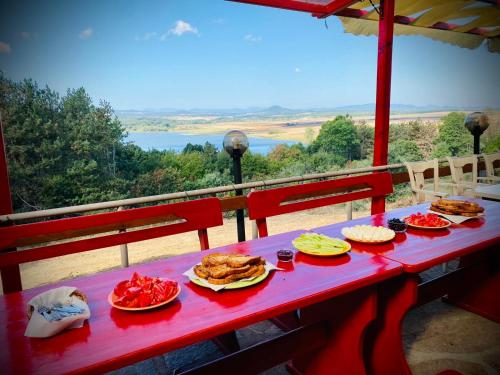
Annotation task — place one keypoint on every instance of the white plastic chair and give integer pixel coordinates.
(417, 180)
(489, 160)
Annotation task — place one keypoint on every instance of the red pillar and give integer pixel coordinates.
(383, 100)
(11, 277)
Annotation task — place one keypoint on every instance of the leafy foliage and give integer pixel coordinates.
(453, 133)
(338, 137)
(66, 150)
(402, 151)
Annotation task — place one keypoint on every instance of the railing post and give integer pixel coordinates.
(348, 210)
(123, 247)
(255, 230)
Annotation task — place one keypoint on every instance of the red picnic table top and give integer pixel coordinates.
(417, 249)
(114, 338)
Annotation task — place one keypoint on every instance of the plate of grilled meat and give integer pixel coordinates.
(457, 207)
(229, 271)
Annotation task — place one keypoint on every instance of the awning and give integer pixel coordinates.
(465, 23)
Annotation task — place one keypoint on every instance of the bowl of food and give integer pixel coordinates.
(397, 225)
(284, 255)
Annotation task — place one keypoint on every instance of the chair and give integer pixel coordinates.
(489, 160)
(461, 185)
(416, 172)
(266, 203)
(183, 217)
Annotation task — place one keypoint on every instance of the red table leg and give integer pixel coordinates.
(347, 318)
(478, 292)
(384, 352)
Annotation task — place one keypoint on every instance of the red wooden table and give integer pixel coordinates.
(114, 338)
(475, 286)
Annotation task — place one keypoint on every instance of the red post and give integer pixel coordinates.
(11, 277)
(383, 100)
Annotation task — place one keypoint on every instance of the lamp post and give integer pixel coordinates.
(235, 144)
(477, 123)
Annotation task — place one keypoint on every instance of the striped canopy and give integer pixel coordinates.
(466, 23)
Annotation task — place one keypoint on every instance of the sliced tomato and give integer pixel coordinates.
(145, 299)
(132, 292)
(121, 287)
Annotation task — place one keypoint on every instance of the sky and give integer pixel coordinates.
(219, 54)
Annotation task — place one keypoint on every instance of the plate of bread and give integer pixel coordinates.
(457, 207)
(229, 271)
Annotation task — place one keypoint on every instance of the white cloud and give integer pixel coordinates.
(146, 36)
(252, 38)
(4, 47)
(297, 70)
(180, 28)
(86, 33)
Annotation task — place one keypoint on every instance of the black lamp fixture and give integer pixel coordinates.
(477, 123)
(236, 143)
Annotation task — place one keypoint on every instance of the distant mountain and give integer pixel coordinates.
(277, 110)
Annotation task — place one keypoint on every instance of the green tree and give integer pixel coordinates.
(61, 151)
(159, 181)
(453, 133)
(404, 151)
(338, 137)
(366, 136)
(492, 144)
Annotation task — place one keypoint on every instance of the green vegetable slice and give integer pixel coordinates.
(315, 243)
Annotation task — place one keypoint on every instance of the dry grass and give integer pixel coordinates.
(277, 128)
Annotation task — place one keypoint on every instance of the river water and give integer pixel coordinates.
(177, 142)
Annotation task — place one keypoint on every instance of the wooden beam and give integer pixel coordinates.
(287, 4)
(383, 99)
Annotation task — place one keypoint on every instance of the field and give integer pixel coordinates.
(301, 127)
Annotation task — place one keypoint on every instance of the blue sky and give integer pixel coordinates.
(218, 54)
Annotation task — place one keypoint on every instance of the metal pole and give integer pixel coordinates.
(11, 276)
(477, 135)
(240, 218)
(383, 100)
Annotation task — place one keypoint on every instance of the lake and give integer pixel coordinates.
(177, 142)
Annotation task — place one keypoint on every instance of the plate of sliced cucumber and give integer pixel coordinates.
(320, 245)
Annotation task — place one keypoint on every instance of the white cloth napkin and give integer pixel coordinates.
(457, 219)
(38, 326)
(192, 276)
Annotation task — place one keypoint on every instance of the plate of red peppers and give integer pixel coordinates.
(143, 293)
(426, 221)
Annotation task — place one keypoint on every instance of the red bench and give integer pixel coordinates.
(266, 203)
(181, 217)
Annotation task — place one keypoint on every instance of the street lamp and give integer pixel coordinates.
(235, 144)
(477, 123)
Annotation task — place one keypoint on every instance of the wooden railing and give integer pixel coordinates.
(228, 203)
